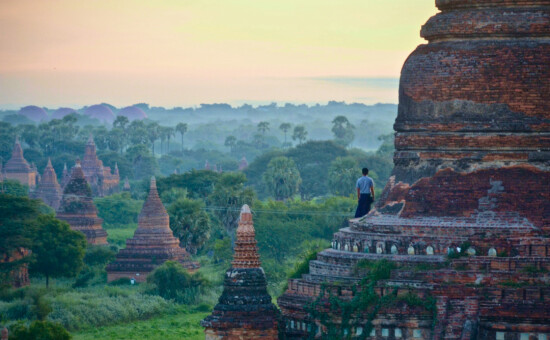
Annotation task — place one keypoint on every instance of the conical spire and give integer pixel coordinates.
(77, 207)
(152, 244)
(116, 168)
(153, 213)
(246, 251)
(49, 189)
(17, 162)
(49, 177)
(90, 139)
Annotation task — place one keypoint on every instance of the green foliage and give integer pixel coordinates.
(313, 161)
(14, 188)
(39, 330)
(342, 175)
(228, 196)
(222, 250)
(189, 223)
(282, 178)
(302, 268)
(172, 281)
(103, 306)
(58, 251)
(118, 209)
(17, 230)
(181, 324)
(198, 183)
(98, 255)
(343, 130)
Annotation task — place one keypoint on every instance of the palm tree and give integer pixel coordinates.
(263, 127)
(299, 134)
(182, 129)
(170, 132)
(285, 127)
(153, 132)
(230, 141)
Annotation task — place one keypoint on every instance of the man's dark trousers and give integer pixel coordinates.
(363, 206)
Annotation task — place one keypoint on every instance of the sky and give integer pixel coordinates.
(186, 52)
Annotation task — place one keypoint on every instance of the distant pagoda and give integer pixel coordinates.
(100, 178)
(243, 164)
(153, 244)
(77, 208)
(244, 310)
(49, 190)
(126, 186)
(17, 168)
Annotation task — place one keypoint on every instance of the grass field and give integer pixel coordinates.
(179, 326)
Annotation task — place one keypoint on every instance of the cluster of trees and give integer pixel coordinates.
(56, 250)
(317, 168)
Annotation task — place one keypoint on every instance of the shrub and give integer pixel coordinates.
(172, 281)
(39, 330)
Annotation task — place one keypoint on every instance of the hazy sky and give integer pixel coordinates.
(186, 52)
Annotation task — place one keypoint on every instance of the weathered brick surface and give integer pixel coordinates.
(77, 208)
(153, 244)
(102, 181)
(17, 168)
(48, 189)
(244, 310)
(472, 171)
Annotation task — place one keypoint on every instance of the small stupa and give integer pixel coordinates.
(244, 310)
(126, 186)
(17, 168)
(49, 190)
(77, 208)
(153, 243)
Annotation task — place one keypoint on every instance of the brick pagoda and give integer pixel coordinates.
(48, 189)
(465, 219)
(244, 310)
(17, 168)
(77, 208)
(100, 178)
(153, 244)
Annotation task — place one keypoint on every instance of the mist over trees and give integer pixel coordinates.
(294, 165)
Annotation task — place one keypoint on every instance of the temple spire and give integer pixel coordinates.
(246, 252)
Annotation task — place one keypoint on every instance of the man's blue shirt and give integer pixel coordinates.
(364, 183)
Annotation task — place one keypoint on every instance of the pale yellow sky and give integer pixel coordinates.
(186, 52)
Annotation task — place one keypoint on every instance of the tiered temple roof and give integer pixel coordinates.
(77, 208)
(153, 243)
(244, 310)
(49, 190)
(465, 217)
(17, 168)
(100, 178)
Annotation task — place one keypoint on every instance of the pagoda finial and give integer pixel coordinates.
(90, 138)
(246, 251)
(64, 166)
(77, 162)
(153, 183)
(49, 163)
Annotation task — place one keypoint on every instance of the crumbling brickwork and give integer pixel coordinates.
(463, 224)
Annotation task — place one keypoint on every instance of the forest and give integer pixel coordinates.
(294, 165)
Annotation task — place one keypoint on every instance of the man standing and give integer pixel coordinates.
(365, 194)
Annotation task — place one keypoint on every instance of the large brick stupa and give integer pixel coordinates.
(17, 168)
(77, 208)
(153, 244)
(244, 310)
(465, 218)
